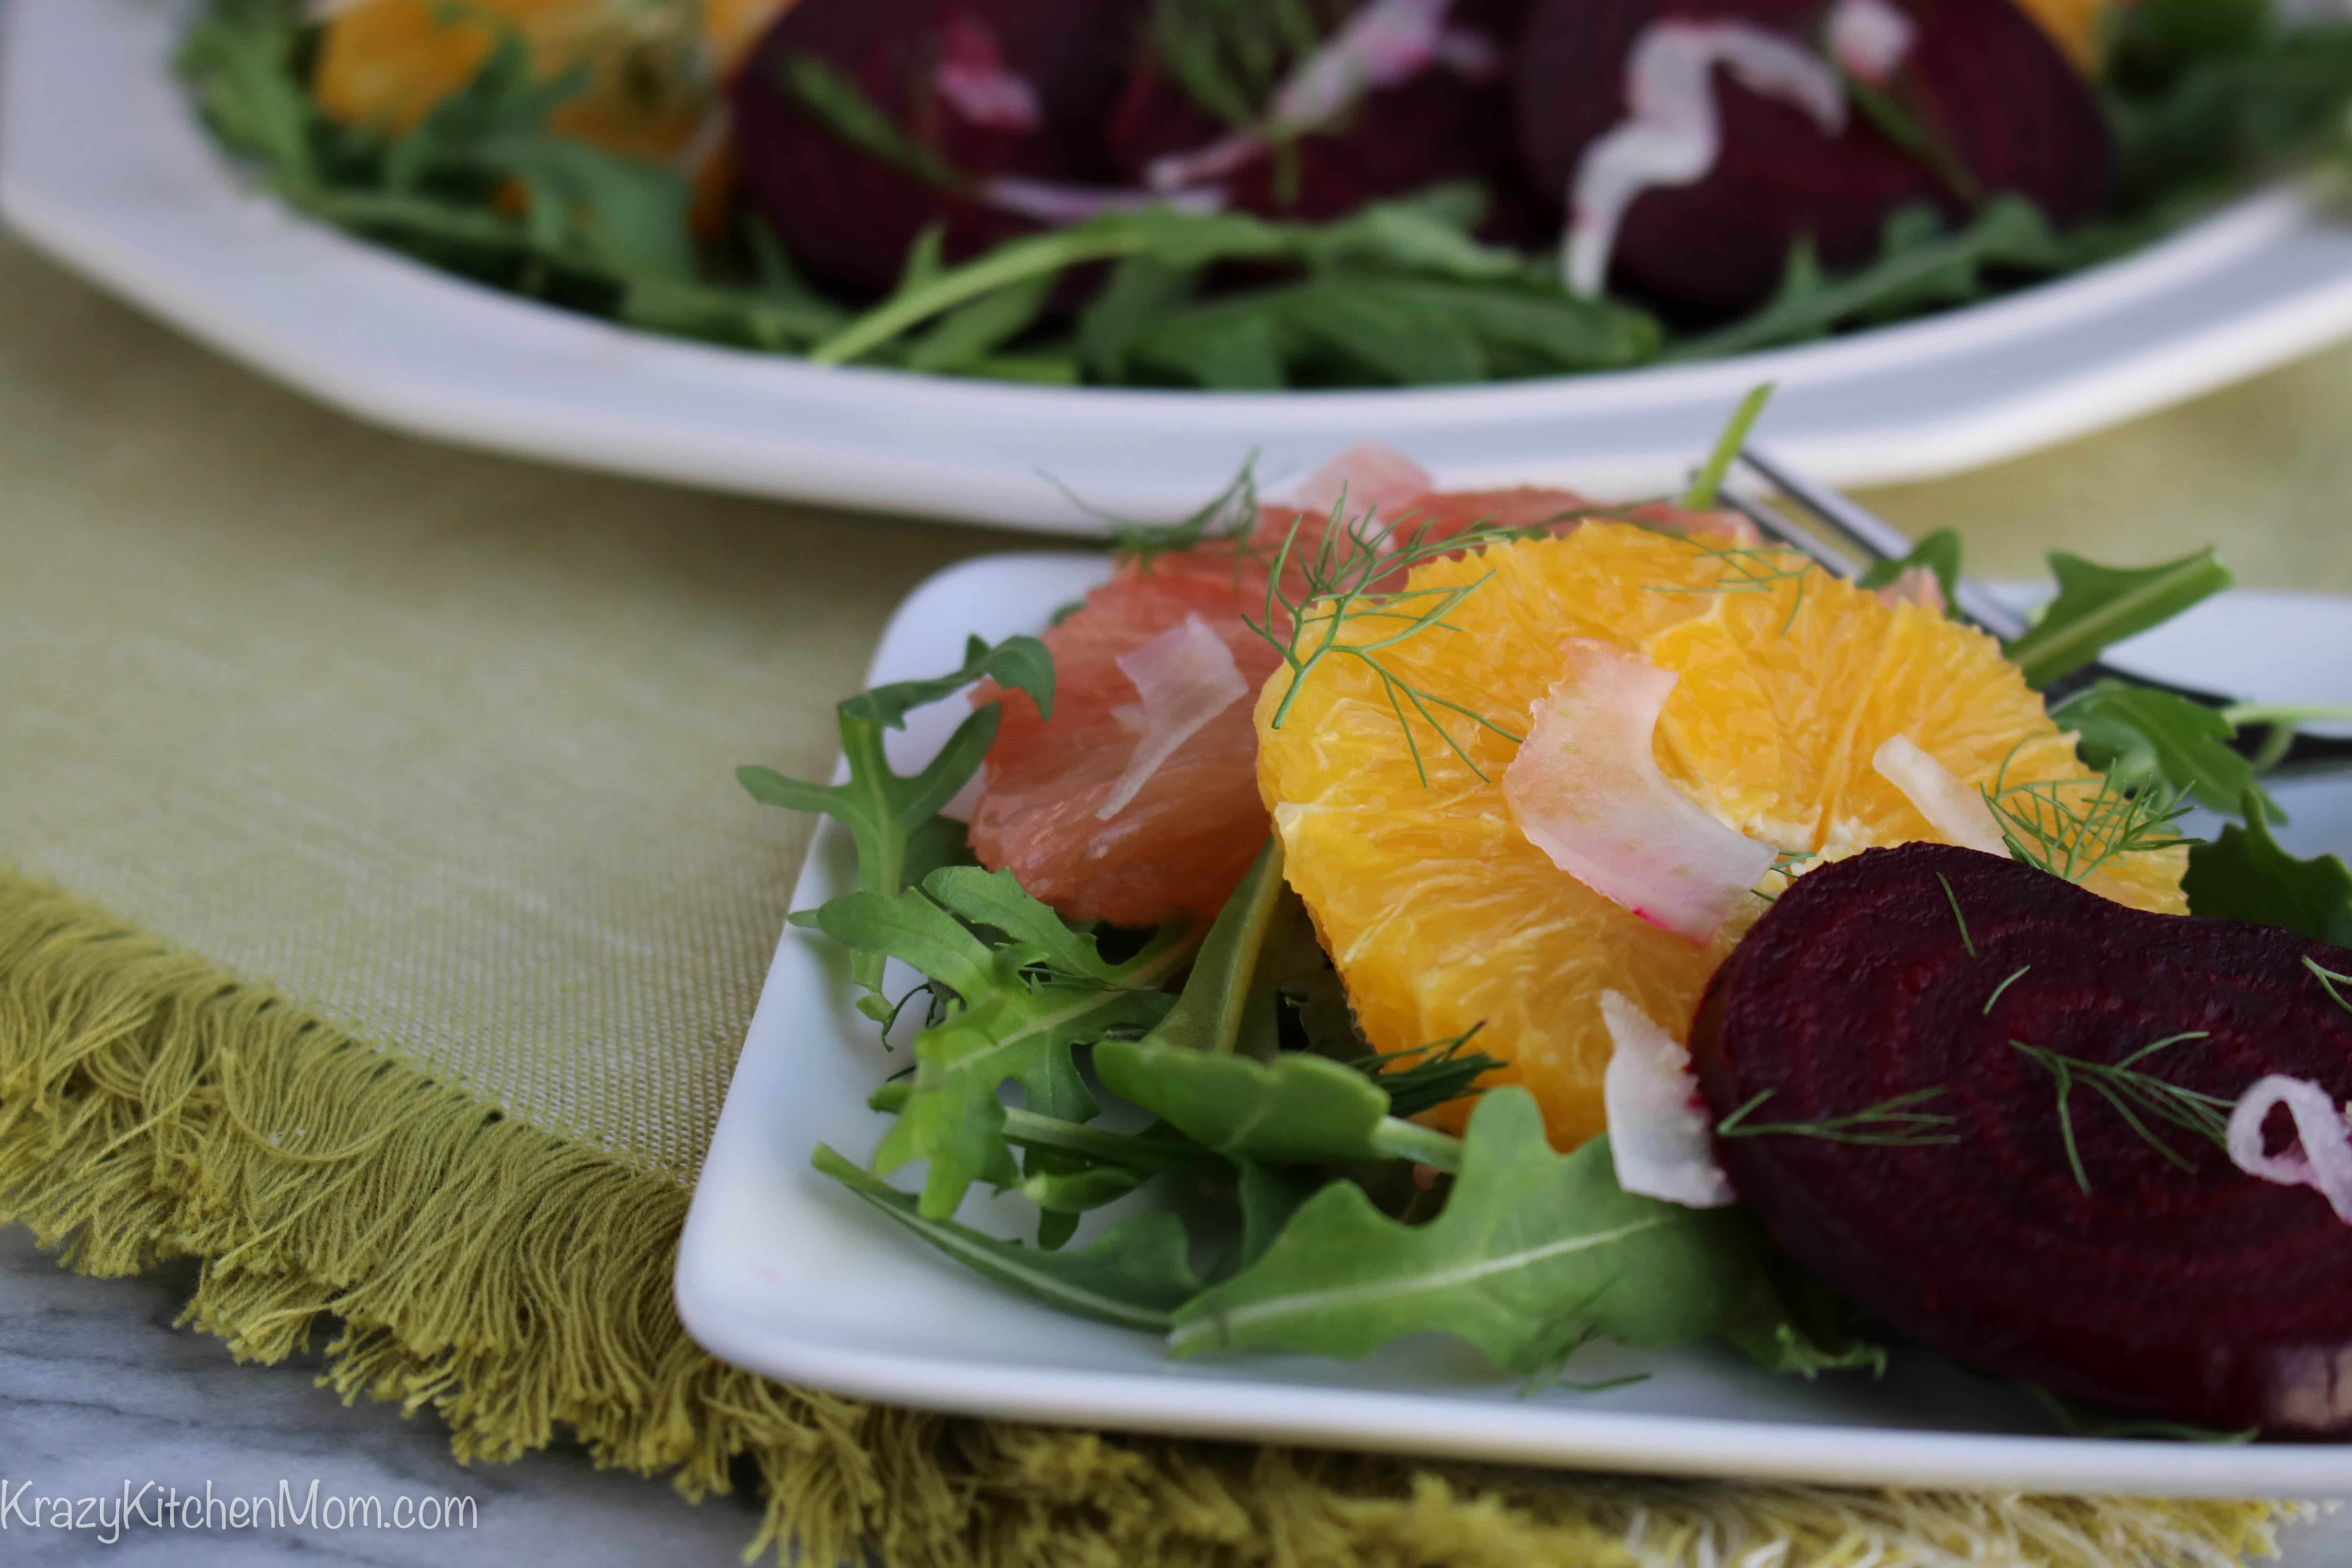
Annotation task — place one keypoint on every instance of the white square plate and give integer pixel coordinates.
(103, 166)
(783, 1272)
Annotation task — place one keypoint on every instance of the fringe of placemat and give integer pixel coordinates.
(514, 1282)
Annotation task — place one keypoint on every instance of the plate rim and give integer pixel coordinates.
(1219, 1400)
(51, 208)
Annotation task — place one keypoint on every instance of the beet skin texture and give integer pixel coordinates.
(1982, 76)
(2208, 1296)
(849, 218)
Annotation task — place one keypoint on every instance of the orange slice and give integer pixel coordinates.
(1442, 917)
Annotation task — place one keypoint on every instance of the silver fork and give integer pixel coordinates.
(1878, 541)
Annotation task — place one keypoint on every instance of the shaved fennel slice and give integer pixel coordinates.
(1675, 132)
(1870, 40)
(1369, 478)
(1185, 676)
(1660, 1132)
(1914, 585)
(1586, 790)
(2321, 1155)
(1957, 814)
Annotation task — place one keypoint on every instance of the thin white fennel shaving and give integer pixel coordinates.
(1370, 479)
(1674, 132)
(1384, 44)
(1957, 812)
(1870, 40)
(2321, 1154)
(973, 77)
(1185, 676)
(1586, 790)
(1661, 1133)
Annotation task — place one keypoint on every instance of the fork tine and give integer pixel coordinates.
(1882, 540)
(1780, 531)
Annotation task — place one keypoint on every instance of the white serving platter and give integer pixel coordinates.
(781, 1271)
(103, 166)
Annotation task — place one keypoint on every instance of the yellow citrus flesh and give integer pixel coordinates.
(2073, 25)
(653, 64)
(1442, 917)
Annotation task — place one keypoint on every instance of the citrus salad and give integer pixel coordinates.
(1248, 194)
(1537, 921)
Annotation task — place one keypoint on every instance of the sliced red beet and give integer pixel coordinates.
(1981, 73)
(2210, 1297)
(993, 87)
(1451, 122)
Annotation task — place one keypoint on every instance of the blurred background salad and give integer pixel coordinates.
(1260, 193)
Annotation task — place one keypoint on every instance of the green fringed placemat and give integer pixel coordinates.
(384, 921)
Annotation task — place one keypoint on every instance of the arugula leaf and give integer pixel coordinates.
(1792, 1324)
(1297, 1109)
(889, 813)
(1939, 552)
(240, 57)
(1006, 1021)
(836, 103)
(2078, 1419)
(1918, 268)
(2142, 738)
(1225, 1005)
(1528, 1240)
(1138, 289)
(2098, 606)
(1135, 1276)
(2244, 875)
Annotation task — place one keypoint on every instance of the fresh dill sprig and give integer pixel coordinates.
(1890, 1123)
(2327, 979)
(2002, 989)
(2071, 827)
(1750, 569)
(1343, 582)
(1228, 517)
(1954, 899)
(2134, 1094)
(1441, 1072)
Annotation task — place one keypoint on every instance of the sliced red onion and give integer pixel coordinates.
(1956, 812)
(973, 77)
(1385, 44)
(1870, 40)
(2321, 1155)
(1661, 1134)
(1372, 479)
(1587, 791)
(1185, 676)
(1675, 133)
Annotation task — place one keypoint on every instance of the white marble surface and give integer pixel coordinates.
(98, 1388)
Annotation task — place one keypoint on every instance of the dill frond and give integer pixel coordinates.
(1890, 1123)
(2000, 990)
(1954, 899)
(1343, 583)
(1749, 569)
(2071, 827)
(2134, 1094)
(1440, 1072)
(2327, 982)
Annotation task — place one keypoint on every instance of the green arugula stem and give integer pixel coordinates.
(1422, 1145)
(1708, 481)
(1010, 263)
(1027, 1130)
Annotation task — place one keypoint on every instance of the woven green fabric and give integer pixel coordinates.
(384, 920)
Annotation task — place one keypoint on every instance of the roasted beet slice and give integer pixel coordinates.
(2209, 1296)
(1017, 88)
(1980, 74)
(1451, 121)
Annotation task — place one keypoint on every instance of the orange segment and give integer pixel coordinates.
(1441, 915)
